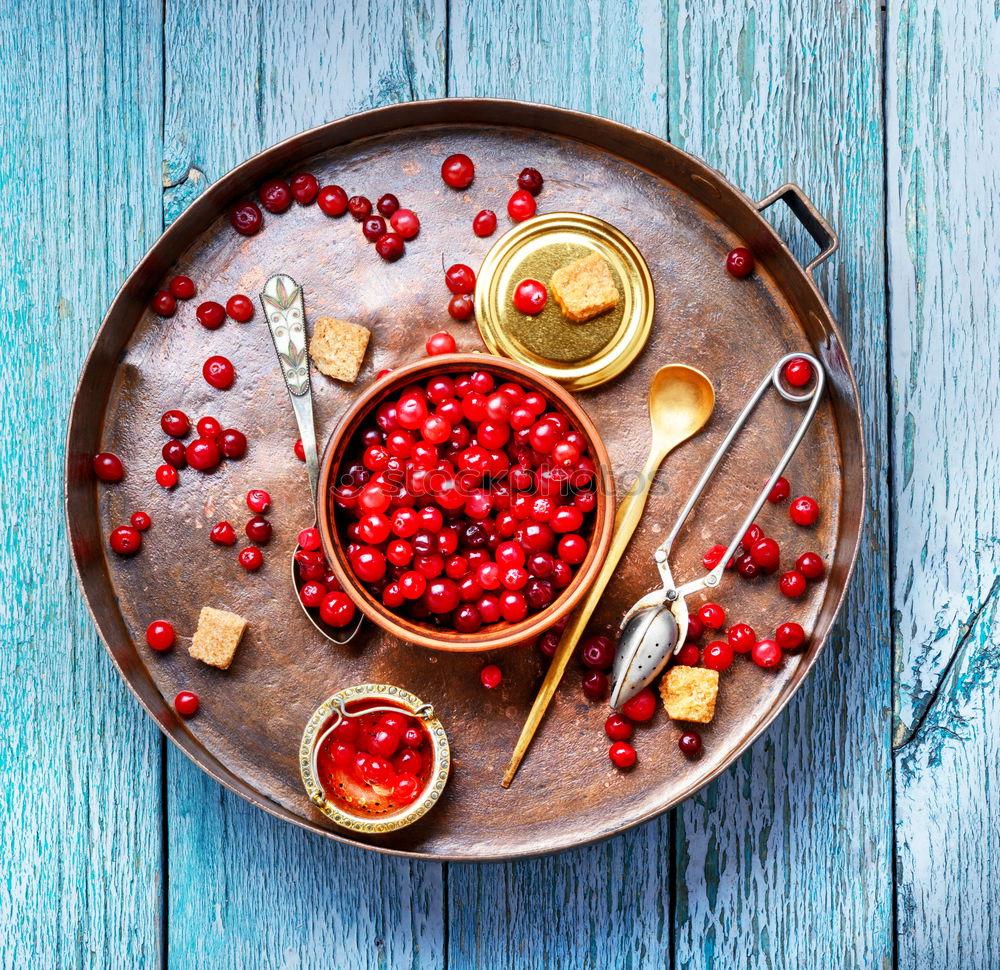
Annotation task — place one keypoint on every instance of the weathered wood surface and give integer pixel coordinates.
(118, 115)
(942, 116)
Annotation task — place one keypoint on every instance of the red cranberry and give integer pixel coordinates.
(163, 303)
(233, 443)
(688, 655)
(530, 180)
(258, 500)
(141, 521)
(240, 308)
(618, 728)
(741, 637)
(766, 553)
(790, 636)
(461, 306)
(595, 685)
(746, 567)
(641, 707)
(332, 200)
(811, 565)
(622, 754)
(387, 204)
(485, 223)
(690, 744)
(203, 454)
(521, 206)
(712, 615)
(779, 491)
(598, 652)
(740, 262)
(174, 454)
(305, 188)
(125, 540)
(441, 595)
(752, 536)
(406, 788)
(798, 372)
(219, 372)
(175, 423)
(337, 610)
(406, 223)
(490, 676)
(713, 557)
(572, 549)
(718, 655)
(793, 584)
(251, 558)
(312, 594)
(208, 427)
(246, 219)
(458, 171)
(166, 475)
(275, 195)
(258, 529)
(766, 653)
(459, 278)
(390, 246)
(530, 297)
(804, 510)
(695, 628)
(441, 342)
(160, 635)
(108, 467)
(359, 207)
(373, 227)
(182, 287)
(222, 534)
(186, 703)
(309, 539)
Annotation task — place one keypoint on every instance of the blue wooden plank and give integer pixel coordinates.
(80, 762)
(943, 107)
(246, 889)
(786, 860)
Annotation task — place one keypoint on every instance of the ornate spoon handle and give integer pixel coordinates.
(285, 313)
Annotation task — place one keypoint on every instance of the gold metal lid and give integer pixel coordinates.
(578, 355)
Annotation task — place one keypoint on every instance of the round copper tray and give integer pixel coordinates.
(683, 217)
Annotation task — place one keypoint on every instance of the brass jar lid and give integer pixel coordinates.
(578, 355)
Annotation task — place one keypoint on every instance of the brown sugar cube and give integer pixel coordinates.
(585, 289)
(689, 693)
(217, 637)
(338, 347)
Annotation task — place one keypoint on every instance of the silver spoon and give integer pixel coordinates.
(285, 314)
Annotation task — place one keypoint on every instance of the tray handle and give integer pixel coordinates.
(817, 227)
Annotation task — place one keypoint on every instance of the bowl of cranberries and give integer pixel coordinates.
(466, 502)
(374, 758)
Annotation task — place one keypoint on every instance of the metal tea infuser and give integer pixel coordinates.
(656, 625)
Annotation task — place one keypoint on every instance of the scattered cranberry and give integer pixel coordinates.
(246, 218)
(390, 246)
(359, 207)
(598, 652)
(779, 491)
(793, 584)
(790, 636)
(240, 308)
(712, 615)
(713, 557)
(595, 685)
(174, 454)
(718, 655)
(459, 278)
(622, 754)
(405, 222)
(741, 637)
(689, 655)
(690, 744)
(485, 223)
(223, 534)
(166, 475)
(461, 306)
(182, 287)
(337, 610)
(641, 707)
(746, 566)
(332, 200)
(490, 676)
(695, 628)
(530, 180)
(530, 297)
(804, 510)
(752, 536)
(186, 703)
(163, 303)
(766, 653)
(258, 500)
(521, 206)
(233, 443)
(126, 540)
(811, 565)
(160, 635)
(208, 427)
(309, 539)
(251, 558)
(387, 204)
(740, 263)
(108, 467)
(203, 454)
(258, 529)
(441, 342)
(141, 521)
(219, 372)
(373, 228)
(175, 423)
(275, 195)
(305, 188)
(299, 449)
(798, 372)
(618, 728)
(458, 171)
(766, 553)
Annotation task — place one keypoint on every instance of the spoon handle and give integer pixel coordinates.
(285, 313)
